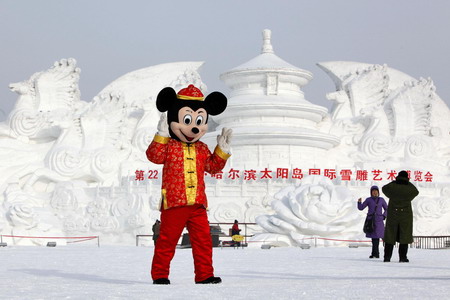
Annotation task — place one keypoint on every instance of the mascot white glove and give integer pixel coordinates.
(163, 127)
(224, 139)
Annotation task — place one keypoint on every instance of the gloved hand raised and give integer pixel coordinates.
(224, 139)
(163, 127)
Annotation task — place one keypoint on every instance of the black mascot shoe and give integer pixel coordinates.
(374, 256)
(210, 280)
(161, 281)
(404, 260)
(386, 260)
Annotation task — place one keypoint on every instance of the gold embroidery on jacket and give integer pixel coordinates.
(219, 152)
(190, 172)
(161, 139)
(164, 199)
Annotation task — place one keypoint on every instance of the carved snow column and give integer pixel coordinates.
(272, 122)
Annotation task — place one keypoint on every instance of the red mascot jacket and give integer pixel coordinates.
(184, 169)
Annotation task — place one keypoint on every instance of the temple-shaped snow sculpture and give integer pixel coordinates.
(272, 121)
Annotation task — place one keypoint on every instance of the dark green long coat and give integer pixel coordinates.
(399, 221)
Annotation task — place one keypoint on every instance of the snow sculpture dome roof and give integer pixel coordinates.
(267, 59)
(266, 62)
(267, 106)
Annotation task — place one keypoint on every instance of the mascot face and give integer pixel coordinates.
(191, 125)
(188, 111)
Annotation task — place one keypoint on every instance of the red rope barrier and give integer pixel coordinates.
(78, 238)
(52, 237)
(319, 238)
(343, 240)
(81, 240)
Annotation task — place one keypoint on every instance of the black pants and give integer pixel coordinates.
(375, 245)
(402, 251)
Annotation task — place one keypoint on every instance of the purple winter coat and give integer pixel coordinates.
(379, 216)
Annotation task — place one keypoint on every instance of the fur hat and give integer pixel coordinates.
(403, 174)
(402, 178)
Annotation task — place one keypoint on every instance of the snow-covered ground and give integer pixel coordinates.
(122, 272)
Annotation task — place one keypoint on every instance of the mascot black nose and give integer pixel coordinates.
(195, 130)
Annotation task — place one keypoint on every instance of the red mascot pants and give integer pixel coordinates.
(173, 221)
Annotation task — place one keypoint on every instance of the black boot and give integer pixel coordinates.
(403, 252)
(375, 251)
(388, 248)
(210, 280)
(161, 281)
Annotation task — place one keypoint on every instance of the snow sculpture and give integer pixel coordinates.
(386, 120)
(72, 163)
(68, 161)
(432, 214)
(27, 215)
(385, 115)
(274, 126)
(46, 101)
(267, 107)
(381, 119)
(314, 207)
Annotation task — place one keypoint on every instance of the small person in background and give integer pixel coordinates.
(235, 230)
(378, 209)
(155, 229)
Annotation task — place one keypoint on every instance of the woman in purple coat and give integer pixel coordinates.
(378, 206)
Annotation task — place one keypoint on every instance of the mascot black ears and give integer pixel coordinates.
(188, 111)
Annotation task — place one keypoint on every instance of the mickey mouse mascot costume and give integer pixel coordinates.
(176, 145)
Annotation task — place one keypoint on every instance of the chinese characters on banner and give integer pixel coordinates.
(286, 173)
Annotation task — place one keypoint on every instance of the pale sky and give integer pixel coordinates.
(111, 38)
